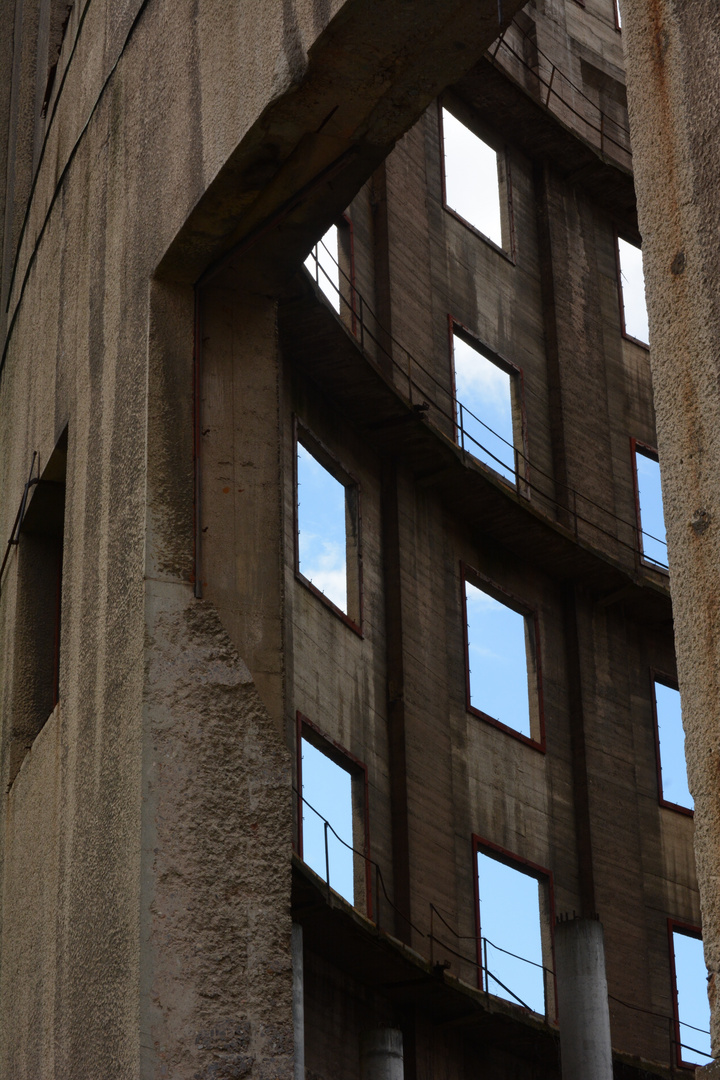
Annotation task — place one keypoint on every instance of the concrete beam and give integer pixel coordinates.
(369, 76)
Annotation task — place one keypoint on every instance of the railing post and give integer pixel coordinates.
(485, 965)
(462, 425)
(550, 85)
(377, 896)
(432, 938)
(327, 859)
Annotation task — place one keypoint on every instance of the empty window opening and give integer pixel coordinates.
(331, 263)
(502, 663)
(36, 667)
(633, 309)
(692, 1008)
(651, 519)
(512, 900)
(328, 554)
(323, 263)
(672, 769)
(484, 405)
(471, 177)
(333, 834)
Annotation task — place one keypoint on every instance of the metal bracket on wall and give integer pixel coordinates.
(15, 533)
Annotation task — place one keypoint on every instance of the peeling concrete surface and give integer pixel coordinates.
(216, 856)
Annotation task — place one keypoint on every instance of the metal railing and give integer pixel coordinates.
(438, 947)
(557, 93)
(436, 402)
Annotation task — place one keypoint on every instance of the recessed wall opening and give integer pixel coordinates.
(487, 414)
(328, 527)
(503, 670)
(649, 505)
(670, 743)
(471, 178)
(332, 813)
(690, 997)
(513, 917)
(36, 671)
(631, 287)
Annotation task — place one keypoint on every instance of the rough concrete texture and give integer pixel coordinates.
(673, 54)
(216, 850)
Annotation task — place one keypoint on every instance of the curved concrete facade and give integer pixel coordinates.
(146, 835)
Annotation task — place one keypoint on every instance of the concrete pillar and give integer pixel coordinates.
(672, 53)
(585, 1044)
(381, 1054)
(298, 1000)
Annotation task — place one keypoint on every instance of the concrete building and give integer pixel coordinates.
(264, 537)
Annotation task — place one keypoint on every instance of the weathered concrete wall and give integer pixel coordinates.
(163, 962)
(673, 52)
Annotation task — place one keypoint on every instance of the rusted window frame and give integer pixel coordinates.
(497, 592)
(690, 930)
(532, 869)
(671, 682)
(340, 756)
(508, 253)
(621, 300)
(303, 435)
(522, 457)
(637, 446)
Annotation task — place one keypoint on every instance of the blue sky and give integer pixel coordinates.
(672, 746)
(327, 788)
(510, 919)
(321, 528)
(632, 283)
(693, 1005)
(471, 178)
(484, 389)
(652, 518)
(498, 660)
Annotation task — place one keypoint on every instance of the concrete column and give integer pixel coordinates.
(672, 53)
(585, 1044)
(298, 1000)
(381, 1054)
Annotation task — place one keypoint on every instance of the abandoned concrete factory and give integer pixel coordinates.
(344, 615)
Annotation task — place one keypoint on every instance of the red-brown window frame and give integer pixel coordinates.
(690, 930)
(515, 862)
(637, 446)
(509, 252)
(336, 469)
(671, 682)
(352, 765)
(522, 471)
(621, 301)
(497, 592)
